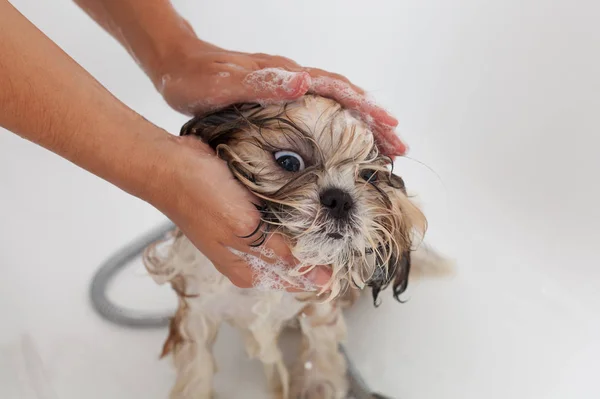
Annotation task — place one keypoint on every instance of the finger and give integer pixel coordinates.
(273, 84)
(241, 282)
(267, 272)
(388, 141)
(276, 245)
(317, 73)
(237, 271)
(351, 96)
(244, 83)
(319, 275)
(250, 269)
(377, 113)
(379, 120)
(331, 84)
(275, 259)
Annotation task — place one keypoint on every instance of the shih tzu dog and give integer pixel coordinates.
(332, 195)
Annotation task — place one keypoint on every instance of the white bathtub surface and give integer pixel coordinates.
(500, 104)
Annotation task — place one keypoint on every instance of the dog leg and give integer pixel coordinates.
(262, 344)
(192, 355)
(321, 370)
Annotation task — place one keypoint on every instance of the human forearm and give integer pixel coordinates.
(47, 98)
(150, 30)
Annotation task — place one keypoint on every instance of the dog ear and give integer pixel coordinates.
(397, 182)
(401, 275)
(220, 126)
(396, 273)
(408, 225)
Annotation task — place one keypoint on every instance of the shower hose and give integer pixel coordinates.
(132, 318)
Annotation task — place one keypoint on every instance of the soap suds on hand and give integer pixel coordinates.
(272, 275)
(275, 82)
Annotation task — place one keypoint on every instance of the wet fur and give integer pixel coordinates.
(375, 251)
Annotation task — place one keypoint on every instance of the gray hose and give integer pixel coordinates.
(110, 268)
(144, 320)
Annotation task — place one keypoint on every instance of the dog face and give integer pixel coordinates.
(324, 185)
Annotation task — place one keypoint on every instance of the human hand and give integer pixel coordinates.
(202, 77)
(201, 196)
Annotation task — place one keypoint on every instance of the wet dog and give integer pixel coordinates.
(327, 189)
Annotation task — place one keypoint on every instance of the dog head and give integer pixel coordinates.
(324, 186)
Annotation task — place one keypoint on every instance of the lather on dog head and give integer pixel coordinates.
(324, 185)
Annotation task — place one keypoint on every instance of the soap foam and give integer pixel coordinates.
(273, 274)
(343, 90)
(272, 81)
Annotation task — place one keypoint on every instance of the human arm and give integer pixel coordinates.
(47, 98)
(195, 76)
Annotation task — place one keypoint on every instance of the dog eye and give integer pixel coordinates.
(289, 161)
(369, 175)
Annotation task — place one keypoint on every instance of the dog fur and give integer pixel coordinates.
(369, 247)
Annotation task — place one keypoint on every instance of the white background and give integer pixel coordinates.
(500, 101)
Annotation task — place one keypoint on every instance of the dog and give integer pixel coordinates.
(328, 190)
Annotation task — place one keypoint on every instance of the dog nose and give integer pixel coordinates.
(338, 201)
